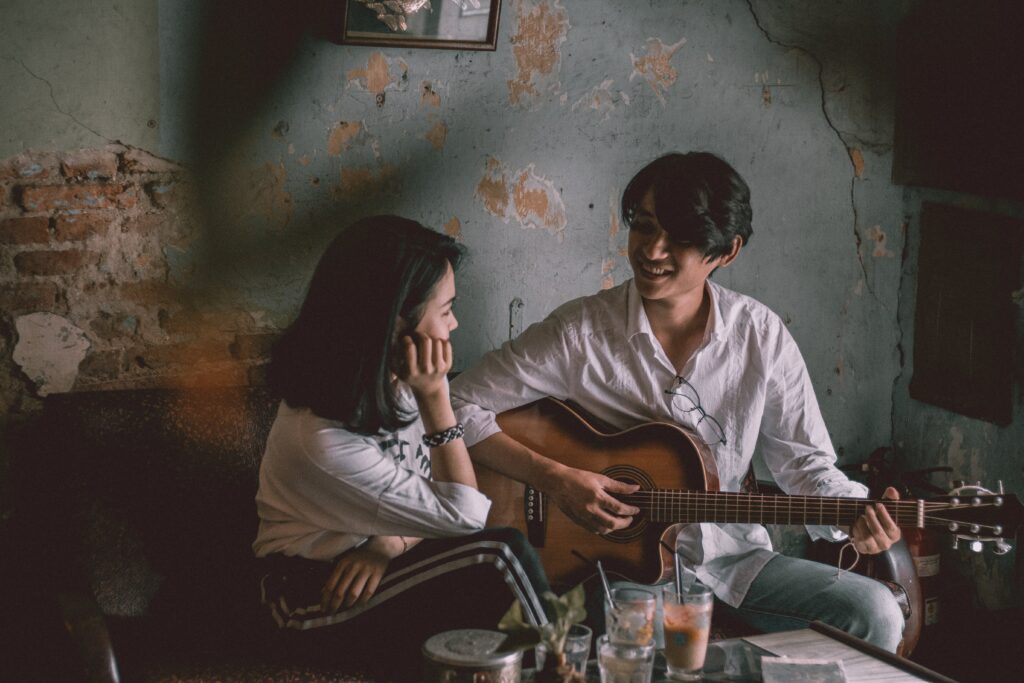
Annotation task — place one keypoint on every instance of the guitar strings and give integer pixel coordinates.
(672, 501)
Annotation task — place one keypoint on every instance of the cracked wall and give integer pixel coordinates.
(521, 153)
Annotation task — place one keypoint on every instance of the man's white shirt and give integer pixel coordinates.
(600, 352)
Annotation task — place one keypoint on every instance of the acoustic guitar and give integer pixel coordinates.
(679, 485)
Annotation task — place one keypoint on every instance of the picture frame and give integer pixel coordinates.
(437, 24)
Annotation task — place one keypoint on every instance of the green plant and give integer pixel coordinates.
(562, 613)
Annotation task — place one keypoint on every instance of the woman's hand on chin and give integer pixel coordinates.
(426, 366)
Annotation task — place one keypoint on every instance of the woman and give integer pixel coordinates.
(370, 520)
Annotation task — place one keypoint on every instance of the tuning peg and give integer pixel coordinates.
(1001, 548)
(999, 487)
(975, 546)
(956, 542)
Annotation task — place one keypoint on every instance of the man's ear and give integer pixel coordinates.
(726, 259)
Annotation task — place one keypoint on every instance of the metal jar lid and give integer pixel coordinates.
(469, 648)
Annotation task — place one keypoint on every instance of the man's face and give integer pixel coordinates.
(664, 270)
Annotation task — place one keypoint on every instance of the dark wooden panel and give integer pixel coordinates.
(960, 98)
(964, 324)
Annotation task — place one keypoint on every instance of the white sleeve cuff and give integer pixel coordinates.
(480, 423)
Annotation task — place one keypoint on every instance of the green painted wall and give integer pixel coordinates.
(78, 74)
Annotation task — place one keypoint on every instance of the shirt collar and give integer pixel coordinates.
(638, 323)
(716, 324)
(636, 316)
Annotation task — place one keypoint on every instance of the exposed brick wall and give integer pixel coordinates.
(82, 256)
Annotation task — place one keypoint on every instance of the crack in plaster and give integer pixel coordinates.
(904, 257)
(856, 164)
(835, 129)
(53, 99)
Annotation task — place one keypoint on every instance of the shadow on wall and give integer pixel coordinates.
(245, 57)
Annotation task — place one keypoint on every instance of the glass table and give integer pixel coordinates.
(739, 659)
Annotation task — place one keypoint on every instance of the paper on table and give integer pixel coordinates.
(801, 670)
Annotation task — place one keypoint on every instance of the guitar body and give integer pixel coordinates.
(653, 455)
(679, 481)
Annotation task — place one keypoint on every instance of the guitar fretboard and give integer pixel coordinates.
(682, 506)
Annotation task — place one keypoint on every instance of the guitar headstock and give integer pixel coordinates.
(977, 515)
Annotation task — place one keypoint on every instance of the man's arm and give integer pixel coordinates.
(538, 363)
(586, 497)
(799, 453)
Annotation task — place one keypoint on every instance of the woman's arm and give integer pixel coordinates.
(357, 573)
(427, 363)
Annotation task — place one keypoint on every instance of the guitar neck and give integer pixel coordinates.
(684, 506)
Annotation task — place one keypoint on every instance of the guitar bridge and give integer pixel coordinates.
(535, 504)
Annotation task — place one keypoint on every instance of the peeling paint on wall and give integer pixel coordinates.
(857, 157)
(616, 250)
(428, 95)
(363, 182)
(876, 235)
(531, 199)
(607, 280)
(437, 135)
(655, 67)
(453, 228)
(379, 75)
(541, 29)
(49, 350)
(493, 189)
(602, 100)
(341, 136)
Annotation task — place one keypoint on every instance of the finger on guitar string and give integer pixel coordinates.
(584, 497)
(889, 527)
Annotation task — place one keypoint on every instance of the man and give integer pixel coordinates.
(671, 345)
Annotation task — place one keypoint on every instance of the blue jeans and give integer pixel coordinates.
(789, 593)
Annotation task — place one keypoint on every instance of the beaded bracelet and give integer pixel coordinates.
(443, 437)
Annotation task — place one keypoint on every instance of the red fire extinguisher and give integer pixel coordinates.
(923, 545)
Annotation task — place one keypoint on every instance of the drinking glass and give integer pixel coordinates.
(687, 622)
(577, 648)
(629, 617)
(623, 662)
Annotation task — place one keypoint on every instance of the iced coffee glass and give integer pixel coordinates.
(629, 617)
(687, 623)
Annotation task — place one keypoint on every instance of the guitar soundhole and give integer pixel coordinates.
(630, 475)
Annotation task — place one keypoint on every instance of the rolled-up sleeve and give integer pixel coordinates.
(794, 441)
(534, 365)
(385, 499)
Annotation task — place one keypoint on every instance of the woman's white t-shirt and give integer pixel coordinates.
(324, 489)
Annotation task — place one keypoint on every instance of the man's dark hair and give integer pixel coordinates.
(698, 198)
(336, 358)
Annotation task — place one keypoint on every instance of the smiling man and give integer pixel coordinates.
(671, 345)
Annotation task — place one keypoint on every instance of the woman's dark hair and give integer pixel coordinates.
(336, 357)
(698, 198)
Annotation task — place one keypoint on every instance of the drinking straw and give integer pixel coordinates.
(682, 574)
(679, 566)
(600, 571)
(604, 582)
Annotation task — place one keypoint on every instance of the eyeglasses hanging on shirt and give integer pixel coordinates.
(706, 425)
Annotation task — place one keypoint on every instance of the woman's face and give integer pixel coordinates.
(438, 319)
